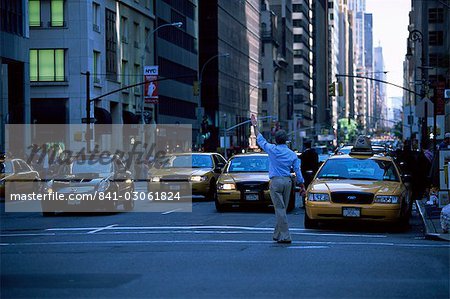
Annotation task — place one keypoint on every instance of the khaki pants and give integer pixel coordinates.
(280, 189)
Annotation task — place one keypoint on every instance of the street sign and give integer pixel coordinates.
(85, 120)
(151, 85)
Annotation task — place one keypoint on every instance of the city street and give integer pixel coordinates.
(209, 254)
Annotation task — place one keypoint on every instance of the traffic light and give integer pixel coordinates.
(332, 89)
(196, 88)
(340, 89)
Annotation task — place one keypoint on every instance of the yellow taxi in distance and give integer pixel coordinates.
(358, 186)
(199, 171)
(245, 182)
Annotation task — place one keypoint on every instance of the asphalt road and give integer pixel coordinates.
(205, 254)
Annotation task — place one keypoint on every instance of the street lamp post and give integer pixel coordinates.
(175, 24)
(417, 36)
(199, 102)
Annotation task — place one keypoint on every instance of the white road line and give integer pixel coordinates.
(246, 228)
(171, 211)
(100, 229)
(308, 247)
(203, 242)
(28, 235)
(112, 232)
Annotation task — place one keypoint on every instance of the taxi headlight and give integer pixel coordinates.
(47, 187)
(386, 199)
(226, 186)
(198, 178)
(155, 179)
(103, 186)
(318, 197)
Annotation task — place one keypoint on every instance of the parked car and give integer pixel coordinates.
(245, 182)
(106, 181)
(358, 186)
(17, 176)
(175, 172)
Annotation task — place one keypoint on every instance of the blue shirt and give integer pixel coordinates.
(281, 159)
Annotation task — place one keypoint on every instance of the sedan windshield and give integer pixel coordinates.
(186, 161)
(359, 169)
(249, 164)
(91, 167)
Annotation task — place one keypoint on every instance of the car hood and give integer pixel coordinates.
(245, 177)
(91, 179)
(178, 171)
(375, 187)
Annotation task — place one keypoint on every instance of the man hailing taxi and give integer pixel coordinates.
(281, 159)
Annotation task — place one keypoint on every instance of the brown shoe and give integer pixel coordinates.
(284, 241)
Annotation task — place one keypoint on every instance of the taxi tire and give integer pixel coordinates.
(219, 207)
(310, 223)
(212, 193)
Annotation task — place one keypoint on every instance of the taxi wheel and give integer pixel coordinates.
(219, 207)
(310, 223)
(212, 193)
(128, 205)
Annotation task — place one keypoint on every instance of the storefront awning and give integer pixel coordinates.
(129, 117)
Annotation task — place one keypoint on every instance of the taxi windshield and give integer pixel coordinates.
(359, 169)
(249, 164)
(187, 161)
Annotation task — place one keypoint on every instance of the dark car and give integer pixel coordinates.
(245, 182)
(88, 185)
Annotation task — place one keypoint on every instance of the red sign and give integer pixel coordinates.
(151, 84)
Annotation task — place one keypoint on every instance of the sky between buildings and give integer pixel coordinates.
(390, 31)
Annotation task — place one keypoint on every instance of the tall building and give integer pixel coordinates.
(283, 85)
(380, 96)
(321, 105)
(345, 93)
(333, 61)
(427, 65)
(14, 67)
(111, 39)
(229, 35)
(303, 104)
(177, 56)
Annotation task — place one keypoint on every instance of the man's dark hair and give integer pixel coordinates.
(307, 144)
(281, 137)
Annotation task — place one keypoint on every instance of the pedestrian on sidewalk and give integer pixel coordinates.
(281, 160)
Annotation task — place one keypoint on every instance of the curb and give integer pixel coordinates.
(430, 231)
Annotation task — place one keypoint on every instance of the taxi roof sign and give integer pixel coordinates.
(362, 146)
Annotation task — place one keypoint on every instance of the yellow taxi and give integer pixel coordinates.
(245, 182)
(179, 171)
(360, 185)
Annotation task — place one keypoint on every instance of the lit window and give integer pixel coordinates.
(57, 13)
(34, 11)
(47, 65)
(96, 66)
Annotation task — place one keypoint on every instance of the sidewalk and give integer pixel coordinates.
(431, 219)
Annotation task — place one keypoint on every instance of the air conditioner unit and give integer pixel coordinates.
(447, 93)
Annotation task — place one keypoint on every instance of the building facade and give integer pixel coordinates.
(229, 34)
(14, 66)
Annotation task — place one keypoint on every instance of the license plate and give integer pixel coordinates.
(351, 212)
(73, 202)
(251, 196)
(174, 187)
